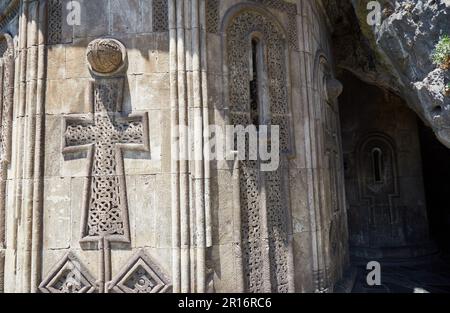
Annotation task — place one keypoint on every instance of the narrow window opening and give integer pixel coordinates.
(254, 84)
(378, 166)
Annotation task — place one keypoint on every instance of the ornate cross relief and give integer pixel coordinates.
(104, 134)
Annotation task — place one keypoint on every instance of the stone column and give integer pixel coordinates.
(38, 168)
(175, 166)
(307, 60)
(19, 114)
(191, 216)
(29, 153)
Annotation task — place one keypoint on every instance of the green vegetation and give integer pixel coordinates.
(441, 54)
(447, 89)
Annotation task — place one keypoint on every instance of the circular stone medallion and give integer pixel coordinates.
(106, 56)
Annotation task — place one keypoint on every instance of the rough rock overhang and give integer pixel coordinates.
(395, 55)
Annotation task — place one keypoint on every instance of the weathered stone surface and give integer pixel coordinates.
(105, 56)
(97, 183)
(397, 53)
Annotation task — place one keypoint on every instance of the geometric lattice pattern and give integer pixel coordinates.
(68, 276)
(3, 47)
(277, 213)
(105, 136)
(212, 16)
(140, 275)
(265, 245)
(54, 20)
(160, 15)
(252, 245)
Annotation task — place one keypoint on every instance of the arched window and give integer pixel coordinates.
(377, 171)
(255, 76)
(257, 84)
(377, 165)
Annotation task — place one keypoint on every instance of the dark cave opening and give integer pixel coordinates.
(398, 213)
(436, 174)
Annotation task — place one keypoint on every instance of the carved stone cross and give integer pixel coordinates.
(105, 134)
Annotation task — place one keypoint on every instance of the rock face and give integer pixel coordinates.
(396, 53)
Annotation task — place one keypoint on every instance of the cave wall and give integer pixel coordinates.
(387, 214)
(396, 53)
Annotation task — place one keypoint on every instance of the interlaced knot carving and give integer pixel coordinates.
(105, 136)
(257, 238)
(55, 20)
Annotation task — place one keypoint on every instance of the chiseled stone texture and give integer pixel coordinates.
(298, 245)
(147, 174)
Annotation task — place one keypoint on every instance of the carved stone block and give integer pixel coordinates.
(68, 276)
(140, 275)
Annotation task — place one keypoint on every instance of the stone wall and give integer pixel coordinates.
(96, 197)
(318, 213)
(147, 173)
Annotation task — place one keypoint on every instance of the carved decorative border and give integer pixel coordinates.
(213, 17)
(6, 101)
(265, 253)
(54, 22)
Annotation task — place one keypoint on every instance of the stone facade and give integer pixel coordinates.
(99, 191)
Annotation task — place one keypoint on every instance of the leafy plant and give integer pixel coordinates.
(447, 89)
(441, 54)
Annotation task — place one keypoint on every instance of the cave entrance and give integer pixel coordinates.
(436, 175)
(397, 181)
